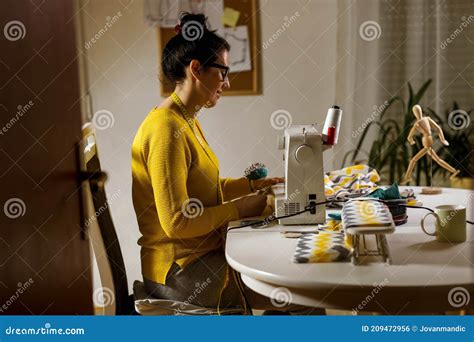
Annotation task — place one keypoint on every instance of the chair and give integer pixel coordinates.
(104, 240)
(106, 248)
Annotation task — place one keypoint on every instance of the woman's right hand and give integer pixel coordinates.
(251, 205)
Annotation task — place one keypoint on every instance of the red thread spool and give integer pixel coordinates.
(331, 135)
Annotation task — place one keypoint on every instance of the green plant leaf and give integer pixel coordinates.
(390, 102)
(410, 97)
(362, 138)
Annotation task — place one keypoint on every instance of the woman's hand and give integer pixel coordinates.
(251, 205)
(262, 183)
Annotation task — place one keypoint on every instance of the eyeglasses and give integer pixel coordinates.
(225, 69)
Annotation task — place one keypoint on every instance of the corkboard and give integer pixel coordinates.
(243, 82)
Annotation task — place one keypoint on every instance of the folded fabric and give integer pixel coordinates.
(335, 216)
(366, 214)
(329, 244)
(350, 181)
(396, 201)
(390, 193)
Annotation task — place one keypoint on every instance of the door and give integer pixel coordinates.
(44, 255)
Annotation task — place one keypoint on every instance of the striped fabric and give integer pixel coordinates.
(329, 244)
(356, 179)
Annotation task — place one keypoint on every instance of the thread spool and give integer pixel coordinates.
(331, 125)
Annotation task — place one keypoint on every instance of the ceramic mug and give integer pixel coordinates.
(450, 223)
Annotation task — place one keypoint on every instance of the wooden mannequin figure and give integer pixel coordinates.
(424, 126)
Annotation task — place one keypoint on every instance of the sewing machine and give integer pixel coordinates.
(304, 170)
(304, 185)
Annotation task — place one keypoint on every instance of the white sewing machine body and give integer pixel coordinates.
(304, 176)
(303, 149)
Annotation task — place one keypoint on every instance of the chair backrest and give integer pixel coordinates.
(102, 231)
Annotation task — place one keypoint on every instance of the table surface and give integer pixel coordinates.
(419, 262)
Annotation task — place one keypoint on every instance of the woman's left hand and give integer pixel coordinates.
(262, 183)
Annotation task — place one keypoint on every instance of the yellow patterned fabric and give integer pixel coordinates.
(329, 244)
(350, 180)
(366, 214)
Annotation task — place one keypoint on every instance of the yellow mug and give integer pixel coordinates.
(450, 223)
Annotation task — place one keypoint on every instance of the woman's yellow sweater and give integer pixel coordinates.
(176, 194)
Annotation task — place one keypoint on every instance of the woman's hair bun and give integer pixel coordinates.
(194, 21)
(193, 40)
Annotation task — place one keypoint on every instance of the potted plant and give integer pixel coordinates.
(390, 152)
(458, 131)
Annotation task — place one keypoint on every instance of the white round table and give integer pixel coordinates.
(425, 275)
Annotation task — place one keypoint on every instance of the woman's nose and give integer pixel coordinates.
(226, 84)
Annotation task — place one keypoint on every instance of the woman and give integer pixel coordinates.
(182, 204)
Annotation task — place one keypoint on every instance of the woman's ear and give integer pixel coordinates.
(195, 68)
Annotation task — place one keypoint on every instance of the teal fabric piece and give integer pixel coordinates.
(390, 193)
(335, 216)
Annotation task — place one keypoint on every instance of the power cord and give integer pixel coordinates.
(414, 207)
(255, 224)
(313, 205)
